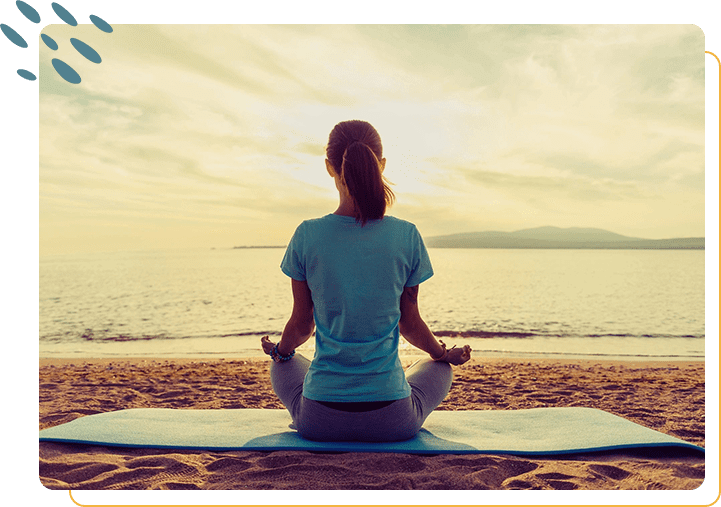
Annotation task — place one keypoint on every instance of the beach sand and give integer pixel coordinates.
(667, 397)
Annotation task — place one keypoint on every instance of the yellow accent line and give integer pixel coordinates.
(719, 494)
(73, 500)
(719, 63)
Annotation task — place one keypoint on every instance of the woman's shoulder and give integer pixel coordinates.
(315, 221)
(397, 220)
(399, 223)
(314, 226)
(333, 221)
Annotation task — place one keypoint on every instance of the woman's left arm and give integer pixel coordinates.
(300, 326)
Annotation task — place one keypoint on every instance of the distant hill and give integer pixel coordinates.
(556, 237)
(262, 246)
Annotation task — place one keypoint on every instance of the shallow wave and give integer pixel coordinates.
(598, 355)
(104, 336)
(531, 334)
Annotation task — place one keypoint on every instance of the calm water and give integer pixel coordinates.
(635, 304)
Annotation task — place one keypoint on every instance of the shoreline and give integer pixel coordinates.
(608, 348)
(667, 396)
(405, 359)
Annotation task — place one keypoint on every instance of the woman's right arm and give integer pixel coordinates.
(414, 329)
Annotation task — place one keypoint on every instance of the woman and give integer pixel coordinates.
(355, 276)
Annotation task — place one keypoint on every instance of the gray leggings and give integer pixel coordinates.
(430, 382)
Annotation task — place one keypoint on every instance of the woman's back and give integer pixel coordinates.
(356, 275)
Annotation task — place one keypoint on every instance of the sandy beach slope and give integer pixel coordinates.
(668, 397)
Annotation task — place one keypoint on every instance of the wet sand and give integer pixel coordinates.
(665, 396)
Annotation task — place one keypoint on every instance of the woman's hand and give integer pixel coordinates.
(458, 356)
(266, 344)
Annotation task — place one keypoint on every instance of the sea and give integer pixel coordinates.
(211, 303)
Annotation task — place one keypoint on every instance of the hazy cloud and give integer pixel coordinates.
(188, 134)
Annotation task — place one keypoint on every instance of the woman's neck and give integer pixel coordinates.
(346, 210)
(347, 204)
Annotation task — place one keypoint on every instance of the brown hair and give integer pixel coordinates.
(355, 150)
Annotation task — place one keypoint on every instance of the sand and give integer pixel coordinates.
(667, 397)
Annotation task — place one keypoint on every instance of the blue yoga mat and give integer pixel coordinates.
(536, 431)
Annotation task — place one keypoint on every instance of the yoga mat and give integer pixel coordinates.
(536, 431)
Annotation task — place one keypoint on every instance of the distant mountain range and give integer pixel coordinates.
(263, 246)
(556, 237)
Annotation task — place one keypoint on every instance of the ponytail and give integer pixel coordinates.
(361, 172)
(354, 150)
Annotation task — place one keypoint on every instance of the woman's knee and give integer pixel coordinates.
(430, 383)
(438, 370)
(286, 379)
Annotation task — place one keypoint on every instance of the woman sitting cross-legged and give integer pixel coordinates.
(355, 275)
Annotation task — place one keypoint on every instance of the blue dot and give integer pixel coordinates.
(63, 14)
(28, 12)
(66, 71)
(101, 24)
(13, 36)
(27, 75)
(86, 50)
(49, 42)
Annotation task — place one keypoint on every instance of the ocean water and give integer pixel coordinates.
(628, 304)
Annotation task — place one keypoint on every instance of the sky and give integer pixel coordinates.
(214, 135)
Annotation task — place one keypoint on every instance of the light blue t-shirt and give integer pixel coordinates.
(356, 277)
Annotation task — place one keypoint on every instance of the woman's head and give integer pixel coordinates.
(355, 152)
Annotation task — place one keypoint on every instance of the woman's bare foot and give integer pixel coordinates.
(267, 344)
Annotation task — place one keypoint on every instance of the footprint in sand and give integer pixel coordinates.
(558, 480)
(555, 475)
(543, 399)
(519, 484)
(394, 464)
(610, 472)
(56, 417)
(85, 411)
(490, 473)
(397, 483)
(153, 461)
(690, 472)
(118, 480)
(683, 433)
(323, 474)
(75, 472)
(478, 463)
(228, 465)
(170, 394)
(172, 486)
(558, 485)
(279, 461)
(612, 387)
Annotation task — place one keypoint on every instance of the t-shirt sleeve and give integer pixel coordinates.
(421, 269)
(293, 263)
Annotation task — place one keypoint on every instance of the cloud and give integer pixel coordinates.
(532, 187)
(484, 124)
